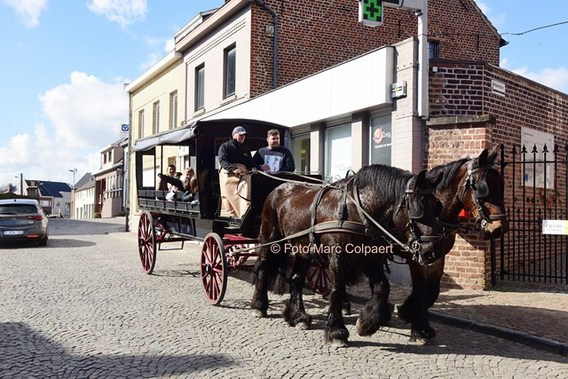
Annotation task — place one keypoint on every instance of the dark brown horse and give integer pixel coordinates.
(472, 184)
(343, 225)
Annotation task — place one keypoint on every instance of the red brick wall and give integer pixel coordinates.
(314, 35)
(467, 263)
(526, 103)
(456, 89)
(463, 91)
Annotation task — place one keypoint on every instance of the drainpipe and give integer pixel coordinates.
(423, 61)
(275, 47)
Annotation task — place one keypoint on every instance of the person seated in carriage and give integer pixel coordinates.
(170, 182)
(190, 186)
(235, 159)
(274, 158)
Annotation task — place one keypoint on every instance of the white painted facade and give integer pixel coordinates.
(352, 96)
(209, 53)
(85, 201)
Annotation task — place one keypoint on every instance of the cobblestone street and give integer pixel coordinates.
(82, 308)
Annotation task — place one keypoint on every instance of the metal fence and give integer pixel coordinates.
(535, 191)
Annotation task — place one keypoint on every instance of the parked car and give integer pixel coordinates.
(23, 220)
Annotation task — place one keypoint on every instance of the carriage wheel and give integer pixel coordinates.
(213, 268)
(147, 242)
(317, 278)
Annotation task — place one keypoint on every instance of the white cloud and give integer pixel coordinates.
(28, 10)
(123, 12)
(82, 117)
(154, 57)
(498, 20)
(85, 111)
(556, 78)
(170, 45)
(483, 6)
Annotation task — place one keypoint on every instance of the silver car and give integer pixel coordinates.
(22, 220)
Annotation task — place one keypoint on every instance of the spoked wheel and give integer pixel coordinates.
(147, 242)
(318, 279)
(213, 268)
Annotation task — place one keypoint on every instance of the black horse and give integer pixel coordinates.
(343, 225)
(472, 184)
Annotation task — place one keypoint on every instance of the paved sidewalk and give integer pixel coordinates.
(532, 314)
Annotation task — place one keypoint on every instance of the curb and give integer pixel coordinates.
(513, 335)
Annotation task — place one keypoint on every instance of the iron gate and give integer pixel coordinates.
(535, 190)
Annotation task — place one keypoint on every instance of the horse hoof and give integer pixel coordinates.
(364, 330)
(338, 343)
(302, 325)
(417, 340)
(424, 336)
(259, 314)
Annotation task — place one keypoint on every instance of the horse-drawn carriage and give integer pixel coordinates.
(378, 206)
(228, 243)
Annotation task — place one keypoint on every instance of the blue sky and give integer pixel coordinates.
(64, 65)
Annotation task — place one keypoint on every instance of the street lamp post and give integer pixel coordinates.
(71, 211)
(21, 177)
(74, 171)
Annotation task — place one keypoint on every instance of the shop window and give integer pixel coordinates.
(380, 140)
(337, 151)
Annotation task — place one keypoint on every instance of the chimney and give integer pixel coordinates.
(33, 190)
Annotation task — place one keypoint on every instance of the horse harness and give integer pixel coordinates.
(366, 228)
(480, 190)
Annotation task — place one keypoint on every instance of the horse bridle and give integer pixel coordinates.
(416, 240)
(480, 190)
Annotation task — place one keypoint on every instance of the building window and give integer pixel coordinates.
(434, 49)
(301, 152)
(380, 140)
(173, 109)
(337, 151)
(229, 71)
(156, 117)
(199, 87)
(141, 124)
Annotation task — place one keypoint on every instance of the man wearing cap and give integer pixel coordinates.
(235, 160)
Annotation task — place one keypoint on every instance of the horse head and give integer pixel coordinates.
(481, 194)
(419, 221)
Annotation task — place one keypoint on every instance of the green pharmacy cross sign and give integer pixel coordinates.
(371, 12)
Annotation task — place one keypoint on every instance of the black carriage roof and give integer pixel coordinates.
(210, 128)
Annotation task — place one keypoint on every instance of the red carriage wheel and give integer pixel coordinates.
(317, 278)
(147, 242)
(213, 268)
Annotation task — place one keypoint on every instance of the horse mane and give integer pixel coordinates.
(389, 181)
(448, 171)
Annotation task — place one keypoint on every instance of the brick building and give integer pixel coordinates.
(108, 191)
(423, 89)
